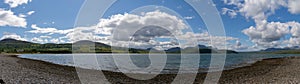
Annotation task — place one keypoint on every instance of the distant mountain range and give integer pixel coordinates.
(287, 50)
(17, 46)
(280, 49)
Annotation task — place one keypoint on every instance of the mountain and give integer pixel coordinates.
(199, 48)
(287, 50)
(174, 50)
(274, 49)
(281, 49)
(85, 42)
(202, 46)
(85, 46)
(13, 41)
(177, 49)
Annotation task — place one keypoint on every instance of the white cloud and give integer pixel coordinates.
(274, 34)
(188, 17)
(37, 40)
(292, 42)
(57, 41)
(54, 40)
(130, 22)
(295, 29)
(80, 34)
(154, 25)
(230, 12)
(7, 18)
(41, 39)
(39, 30)
(263, 8)
(45, 37)
(16, 3)
(22, 16)
(232, 2)
(293, 6)
(206, 39)
(30, 12)
(260, 9)
(12, 36)
(268, 34)
(151, 22)
(238, 46)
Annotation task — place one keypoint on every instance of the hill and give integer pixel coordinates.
(198, 49)
(13, 41)
(85, 46)
(17, 46)
(287, 50)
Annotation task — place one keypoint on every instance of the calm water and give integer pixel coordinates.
(173, 62)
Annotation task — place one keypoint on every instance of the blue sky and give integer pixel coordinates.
(277, 22)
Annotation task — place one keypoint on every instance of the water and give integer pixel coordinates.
(173, 62)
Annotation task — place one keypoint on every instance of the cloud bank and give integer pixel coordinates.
(267, 34)
(8, 18)
(16, 3)
(149, 27)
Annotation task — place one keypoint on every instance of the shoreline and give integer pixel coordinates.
(23, 70)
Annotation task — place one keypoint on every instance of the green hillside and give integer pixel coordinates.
(16, 46)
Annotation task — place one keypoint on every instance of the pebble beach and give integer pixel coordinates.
(19, 70)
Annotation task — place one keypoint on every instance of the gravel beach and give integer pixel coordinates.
(19, 70)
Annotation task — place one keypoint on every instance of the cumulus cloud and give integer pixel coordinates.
(115, 29)
(263, 8)
(145, 29)
(129, 22)
(37, 40)
(238, 46)
(206, 39)
(150, 32)
(16, 3)
(232, 2)
(292, 42)
(8, 18)
(293, 6)
(230, 12)
(39, 30)
(238, 43)
(45, 37)
(273, 34)
(268, 34)
(258, 9)
(42, 39)
(81, 34)
(57, 41)
(295, 29)
(22, 15)
(7, 35)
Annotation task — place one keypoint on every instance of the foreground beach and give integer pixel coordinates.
(18, 70)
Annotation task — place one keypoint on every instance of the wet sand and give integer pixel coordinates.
(19, 70)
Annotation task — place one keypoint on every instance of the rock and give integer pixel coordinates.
(1, 81)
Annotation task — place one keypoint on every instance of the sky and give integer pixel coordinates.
(249, 25)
